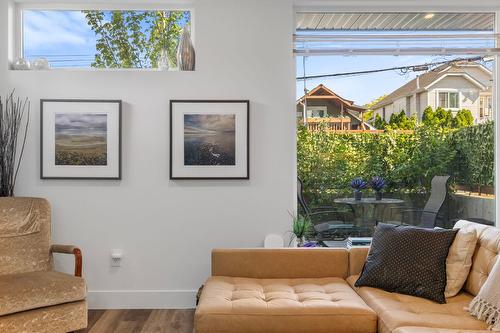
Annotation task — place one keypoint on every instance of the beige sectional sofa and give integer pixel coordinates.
(312, 290)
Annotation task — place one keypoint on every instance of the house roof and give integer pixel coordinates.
(322, 92)
(422, 82)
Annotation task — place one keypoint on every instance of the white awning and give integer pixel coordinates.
(396, 33)
(395, 21)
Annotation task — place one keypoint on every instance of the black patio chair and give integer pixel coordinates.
(428, 216)
(328, 223)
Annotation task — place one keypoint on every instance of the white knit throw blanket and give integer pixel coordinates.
(486, 305)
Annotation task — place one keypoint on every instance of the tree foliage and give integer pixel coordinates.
(134, 39)
(463, 118)
(380, 123)
(445, 119)
(401, 121)
(368, 115)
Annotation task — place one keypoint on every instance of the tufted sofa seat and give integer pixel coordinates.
(312, 290)
(396, 310)
(282, 305)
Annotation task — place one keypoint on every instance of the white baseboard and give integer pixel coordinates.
(141, 299)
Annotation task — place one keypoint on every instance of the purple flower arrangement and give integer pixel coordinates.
(358, 184)
(377, 184)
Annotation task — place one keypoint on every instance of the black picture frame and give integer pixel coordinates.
(242, 101)
(115, 101)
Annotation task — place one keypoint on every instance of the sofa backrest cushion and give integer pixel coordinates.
(24, 235)
(408, 260)
(485, 255)
(280, 263)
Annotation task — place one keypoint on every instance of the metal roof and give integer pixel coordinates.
(395, 21)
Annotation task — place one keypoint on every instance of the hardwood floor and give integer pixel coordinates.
(140, 321)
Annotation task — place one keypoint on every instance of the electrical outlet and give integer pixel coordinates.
(116, 257)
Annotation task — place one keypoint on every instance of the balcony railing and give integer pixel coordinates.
(330, 123)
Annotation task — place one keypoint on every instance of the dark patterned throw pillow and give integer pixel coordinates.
(408, 260)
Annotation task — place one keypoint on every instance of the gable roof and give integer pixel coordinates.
(424, 81)
(322, 91)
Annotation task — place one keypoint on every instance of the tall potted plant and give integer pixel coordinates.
(14, 121)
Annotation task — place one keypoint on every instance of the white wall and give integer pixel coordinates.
(167, 228)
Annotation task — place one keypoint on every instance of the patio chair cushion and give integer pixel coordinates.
(248, 305)
(26, 291)
(397, 310)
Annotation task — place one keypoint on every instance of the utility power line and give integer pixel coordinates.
(402, 69)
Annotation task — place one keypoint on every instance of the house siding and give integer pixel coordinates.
(468, 93)
(424, 102)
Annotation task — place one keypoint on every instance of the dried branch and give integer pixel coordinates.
(12, 111)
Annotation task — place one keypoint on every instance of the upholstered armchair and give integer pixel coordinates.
(34, 297)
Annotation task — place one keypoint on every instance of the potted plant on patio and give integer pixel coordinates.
(377, 184)
(358, 185)
(301, 227)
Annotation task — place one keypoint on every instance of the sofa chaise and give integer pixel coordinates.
(312, 290)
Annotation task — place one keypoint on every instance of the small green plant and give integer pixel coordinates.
(301, 227)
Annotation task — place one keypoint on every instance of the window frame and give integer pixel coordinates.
(448, 92)
(489, 107)
(17, 26)
(368, 7)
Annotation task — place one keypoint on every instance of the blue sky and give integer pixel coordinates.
(362, 88)
(63, 37)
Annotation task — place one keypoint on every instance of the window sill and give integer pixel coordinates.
(98, 70)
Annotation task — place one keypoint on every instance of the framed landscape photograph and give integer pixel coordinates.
(80, 139)
(209, 139)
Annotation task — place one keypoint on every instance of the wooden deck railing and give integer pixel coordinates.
(341, 125)
(331, 124)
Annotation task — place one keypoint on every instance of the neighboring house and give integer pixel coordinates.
(321, 105)
(456, 86)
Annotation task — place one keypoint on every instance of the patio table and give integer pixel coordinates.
(370, 215)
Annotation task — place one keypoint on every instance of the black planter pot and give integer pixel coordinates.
(378, 195)
(358, 195)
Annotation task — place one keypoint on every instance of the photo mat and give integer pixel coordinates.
(80, 139)
(209, 139)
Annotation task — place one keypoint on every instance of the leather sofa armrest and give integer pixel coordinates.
(357, 259)
(70, 249)
(280, 263)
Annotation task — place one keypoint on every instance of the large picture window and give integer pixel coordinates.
(416, 142)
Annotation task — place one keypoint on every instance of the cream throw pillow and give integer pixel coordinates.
(459, 261)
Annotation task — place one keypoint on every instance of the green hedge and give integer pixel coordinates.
(475, 153)
(328, 161)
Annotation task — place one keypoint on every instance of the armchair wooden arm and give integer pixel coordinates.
(70, 249)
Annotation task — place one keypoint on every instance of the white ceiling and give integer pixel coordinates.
(395, 21)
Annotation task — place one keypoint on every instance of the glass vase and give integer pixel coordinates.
(163, 60)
